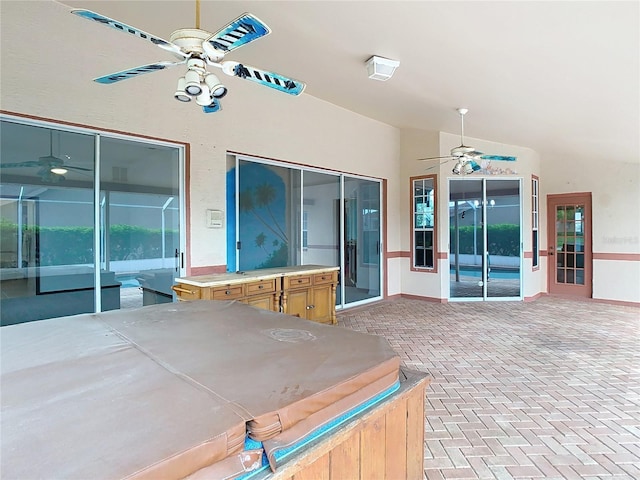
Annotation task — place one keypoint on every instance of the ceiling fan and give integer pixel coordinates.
(51, 169)
(198, 49)
(466, 157)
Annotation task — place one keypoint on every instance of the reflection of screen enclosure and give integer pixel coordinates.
(485, 238)
(53, 233)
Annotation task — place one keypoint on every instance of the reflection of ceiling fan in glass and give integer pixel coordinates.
(468, 159)
(51, 169)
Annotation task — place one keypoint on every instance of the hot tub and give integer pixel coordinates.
(218, 389)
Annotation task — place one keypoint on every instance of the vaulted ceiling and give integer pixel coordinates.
(559, 77)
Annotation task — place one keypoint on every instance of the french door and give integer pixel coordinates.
(485, 254)
(569, 255)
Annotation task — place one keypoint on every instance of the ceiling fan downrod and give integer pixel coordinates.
(462, 112)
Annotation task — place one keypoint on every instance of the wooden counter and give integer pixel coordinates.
(305, 291)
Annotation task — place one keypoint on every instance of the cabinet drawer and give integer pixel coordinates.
(321, 278)
(229, 292)
(299, 281)
(261, 286)
(187, 292)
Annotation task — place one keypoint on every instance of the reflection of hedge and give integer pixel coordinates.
(504, 239)
(74, 245)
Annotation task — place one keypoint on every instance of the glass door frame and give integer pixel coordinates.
(485, 267)
(380, 248)
(97, 136)
(554, 254)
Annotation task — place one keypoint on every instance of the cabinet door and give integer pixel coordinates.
(321, 304)
(266, 303)
(297, 303)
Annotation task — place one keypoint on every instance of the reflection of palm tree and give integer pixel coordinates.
(260, 239)
(247, 204)
(265, 194)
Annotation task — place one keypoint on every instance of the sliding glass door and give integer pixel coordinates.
(280, 215)
(69, 231)
(361, 240)
(503, 238)
(485, 239)
(140, 219)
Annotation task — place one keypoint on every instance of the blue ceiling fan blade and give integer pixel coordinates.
(214, 107)
(134, 72)
(244, 29)
(268, 79)
(502, 158)
(123, 27)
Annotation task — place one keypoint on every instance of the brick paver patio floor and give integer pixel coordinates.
(546, 389)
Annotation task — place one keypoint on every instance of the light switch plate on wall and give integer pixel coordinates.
(214, 218)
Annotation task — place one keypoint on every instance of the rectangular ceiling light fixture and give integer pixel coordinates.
(380, 68)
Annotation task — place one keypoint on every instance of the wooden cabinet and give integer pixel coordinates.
(261, 293)
(311, 296)
(306, 291)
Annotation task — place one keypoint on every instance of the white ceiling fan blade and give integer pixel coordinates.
(473, 155)
(123, 27)
(134, 72)
(434, 158)
(439, 164)
(244, 29)
(268, 79)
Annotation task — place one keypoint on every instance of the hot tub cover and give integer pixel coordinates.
(165, 390)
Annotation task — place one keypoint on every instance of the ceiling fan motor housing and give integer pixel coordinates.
(191, 40)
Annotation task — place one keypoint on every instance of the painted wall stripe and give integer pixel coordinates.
(627, 257)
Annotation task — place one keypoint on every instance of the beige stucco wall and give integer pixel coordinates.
(615, 190)
(59, 56)
(415, 144)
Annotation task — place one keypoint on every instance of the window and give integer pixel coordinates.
(423, 222)
(534, 222)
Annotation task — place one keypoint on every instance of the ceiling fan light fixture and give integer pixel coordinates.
(217, 89)
(58, 170)
(192, 84)
(467, 168)
(380, 68)
(181, 94)
(457, 168)
(204, 98)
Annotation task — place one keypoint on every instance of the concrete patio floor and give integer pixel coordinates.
(546, 389)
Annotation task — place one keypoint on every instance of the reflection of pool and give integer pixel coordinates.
(494, 273)
(128, 281)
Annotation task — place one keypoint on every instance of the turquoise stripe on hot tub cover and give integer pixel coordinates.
(317, 433)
